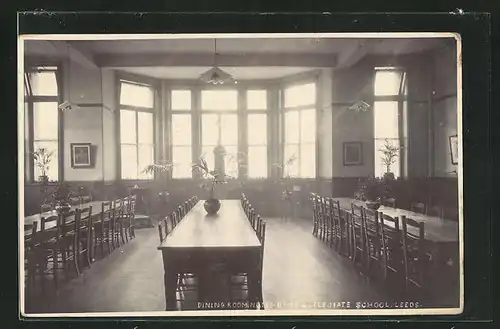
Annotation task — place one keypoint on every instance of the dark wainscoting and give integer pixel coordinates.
(264, 194)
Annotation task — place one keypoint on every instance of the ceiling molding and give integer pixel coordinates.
(356, 52)
(231, 60)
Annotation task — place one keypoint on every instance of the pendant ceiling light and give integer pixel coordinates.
(215, 75)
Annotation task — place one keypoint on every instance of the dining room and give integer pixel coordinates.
(296, 173)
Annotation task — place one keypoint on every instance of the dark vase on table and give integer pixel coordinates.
(211, 206)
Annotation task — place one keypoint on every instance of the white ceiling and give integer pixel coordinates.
(252, 45)
(239, 73)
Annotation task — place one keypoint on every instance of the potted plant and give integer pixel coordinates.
(389, 154)
(286, 193)
(370, 191)
(212, 204)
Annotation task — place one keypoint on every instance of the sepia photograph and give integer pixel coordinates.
(229, 174)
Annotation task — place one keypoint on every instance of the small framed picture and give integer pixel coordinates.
(353, 154)
(454, 149)
(81, 156)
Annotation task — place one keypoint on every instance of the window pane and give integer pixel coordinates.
(293, 169)
(257, 129)
(146, 157)
(209, 129)
(257, 161)
(387, 82)
(181, 100)
(380, 168)
(52, 171)
(291, 127)
(127, 127)
(229, 130)
(145, 126)
(129, 161)
(386, 119)
(181, 129)
(231, 160)
(219, 99)
(136, 95)
(308, 126)
(256, 99)
(207, 152)
(307, 161)
(45, 121)
(43, 83)
(300, 95)
(181, 156)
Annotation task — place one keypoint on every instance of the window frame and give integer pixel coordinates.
(29, 100)
(401, 98)
(301, 80)
(188, 112)
(247, 113)
(151, 83)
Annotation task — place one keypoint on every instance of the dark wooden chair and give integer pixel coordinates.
(41, 254)
(373, 242)
(393, 272)
(358, 243)
(118, 225)
(415, 257)
(29, 246)
(418, 207)
(339, 228)
(84, 225)
(67, 243)
(162, 229)
(103, 228)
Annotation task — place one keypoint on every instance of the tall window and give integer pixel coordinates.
(42, 118)
(300, 130)
(390, 91)
(257, 133)
(181, 133)
(219, 126)
(136, 129)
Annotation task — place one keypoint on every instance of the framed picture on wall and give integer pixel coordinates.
(81, 155)
(353, 153)
(454, 149)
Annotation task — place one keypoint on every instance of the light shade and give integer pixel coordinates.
(216, 76)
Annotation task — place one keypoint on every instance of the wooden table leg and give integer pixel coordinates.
(170, 282)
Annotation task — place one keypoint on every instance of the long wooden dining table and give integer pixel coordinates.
(200, 243)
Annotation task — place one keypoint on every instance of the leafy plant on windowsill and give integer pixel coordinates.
(390, 152)
(161, 167)
(284, 172)
(42, 158)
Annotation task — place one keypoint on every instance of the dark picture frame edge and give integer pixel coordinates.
(359, 146)
(72, 153)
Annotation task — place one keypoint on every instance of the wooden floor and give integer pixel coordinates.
(298, 268)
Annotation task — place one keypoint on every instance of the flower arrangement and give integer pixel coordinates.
(371, 189)
(389, 154)
(214, 176)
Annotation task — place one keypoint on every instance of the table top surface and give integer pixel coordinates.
(96, 207)
(229, 228)
(436, 229)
